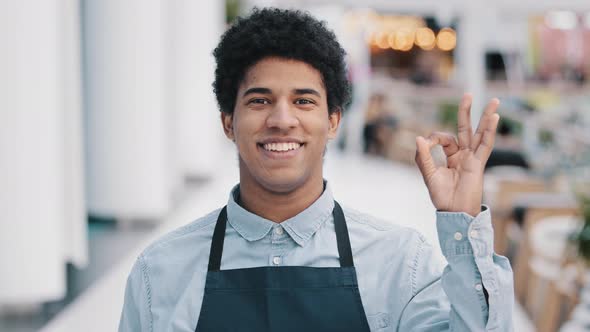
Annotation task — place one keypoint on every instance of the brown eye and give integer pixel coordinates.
(258, 101)
(303, 101)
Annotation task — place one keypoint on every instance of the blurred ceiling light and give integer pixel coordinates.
(425, 38)
(561, 20)
(402, 40)
(395, 22)
(446, 39)
(391, 40)
(394, 31)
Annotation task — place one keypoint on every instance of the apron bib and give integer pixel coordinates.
(288, 298)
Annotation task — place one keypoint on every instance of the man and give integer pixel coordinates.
(283, 255)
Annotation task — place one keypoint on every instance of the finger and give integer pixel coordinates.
(487, 141)
(424, 158)
(464, 131)
(446, 140)
(484, 122)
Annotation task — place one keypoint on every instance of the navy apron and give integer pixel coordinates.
(288, 298)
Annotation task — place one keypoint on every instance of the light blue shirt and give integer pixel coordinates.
(401, 282)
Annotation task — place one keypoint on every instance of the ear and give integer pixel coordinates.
(334, 119)
(228, 125)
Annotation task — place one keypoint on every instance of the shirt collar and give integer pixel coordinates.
(300, 227)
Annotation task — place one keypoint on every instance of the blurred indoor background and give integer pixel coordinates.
(110, 137)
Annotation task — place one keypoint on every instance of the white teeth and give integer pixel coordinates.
(281, 146)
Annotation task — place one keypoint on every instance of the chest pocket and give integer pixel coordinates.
(379, 321)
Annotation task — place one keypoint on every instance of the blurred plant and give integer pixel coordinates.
(512, 125)
(232, 10)
(447, 114)
(582, 239)
(579, 316)
(546, 137)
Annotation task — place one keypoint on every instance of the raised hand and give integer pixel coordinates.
(458, 186)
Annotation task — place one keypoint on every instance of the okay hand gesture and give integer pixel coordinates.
(458, 186)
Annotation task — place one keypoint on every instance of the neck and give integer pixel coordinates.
(278, 206)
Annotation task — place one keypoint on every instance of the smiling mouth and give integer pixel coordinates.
(280, 146)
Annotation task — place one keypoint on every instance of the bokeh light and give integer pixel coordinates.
(382, 40)
(446, 39)
(425, 38)
(402, 40)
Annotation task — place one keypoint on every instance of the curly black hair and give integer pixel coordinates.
(289, 34)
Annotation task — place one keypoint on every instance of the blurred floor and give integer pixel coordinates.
(383, 188)
(107, 242)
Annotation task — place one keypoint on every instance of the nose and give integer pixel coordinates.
(282, 116)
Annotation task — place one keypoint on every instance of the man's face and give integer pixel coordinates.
(281, 124)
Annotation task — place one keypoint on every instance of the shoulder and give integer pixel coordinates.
(193, 235)
(386, 238)
(385, 250)
(374, 228)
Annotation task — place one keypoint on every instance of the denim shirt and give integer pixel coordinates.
(402, 283)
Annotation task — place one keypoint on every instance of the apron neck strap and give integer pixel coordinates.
(342, 239)
(217, 241)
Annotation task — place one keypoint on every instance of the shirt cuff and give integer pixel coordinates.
(461, 234)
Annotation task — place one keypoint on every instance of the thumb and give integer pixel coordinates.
(424, 158)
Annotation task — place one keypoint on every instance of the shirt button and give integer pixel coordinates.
(279, 231)
(478, 287)
(458, 236)
(474, 234)
(276, 260)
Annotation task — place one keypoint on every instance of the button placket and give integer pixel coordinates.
(278, 244)
(277, 234)
(279, 231)
(276, 260)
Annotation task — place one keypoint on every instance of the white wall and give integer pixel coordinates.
(194, 28)
(126, 122)
(42, 219)
(151, 115)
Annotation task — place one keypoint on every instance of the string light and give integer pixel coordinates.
(402, 40)
(425, 38)
(401, 33)
(446, 39)
(382, 40)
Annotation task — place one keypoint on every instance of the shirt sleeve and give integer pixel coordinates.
(475, 291)
(136, 315)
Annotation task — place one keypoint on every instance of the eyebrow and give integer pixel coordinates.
(306, 92)
(267, 91)
(264, 91)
